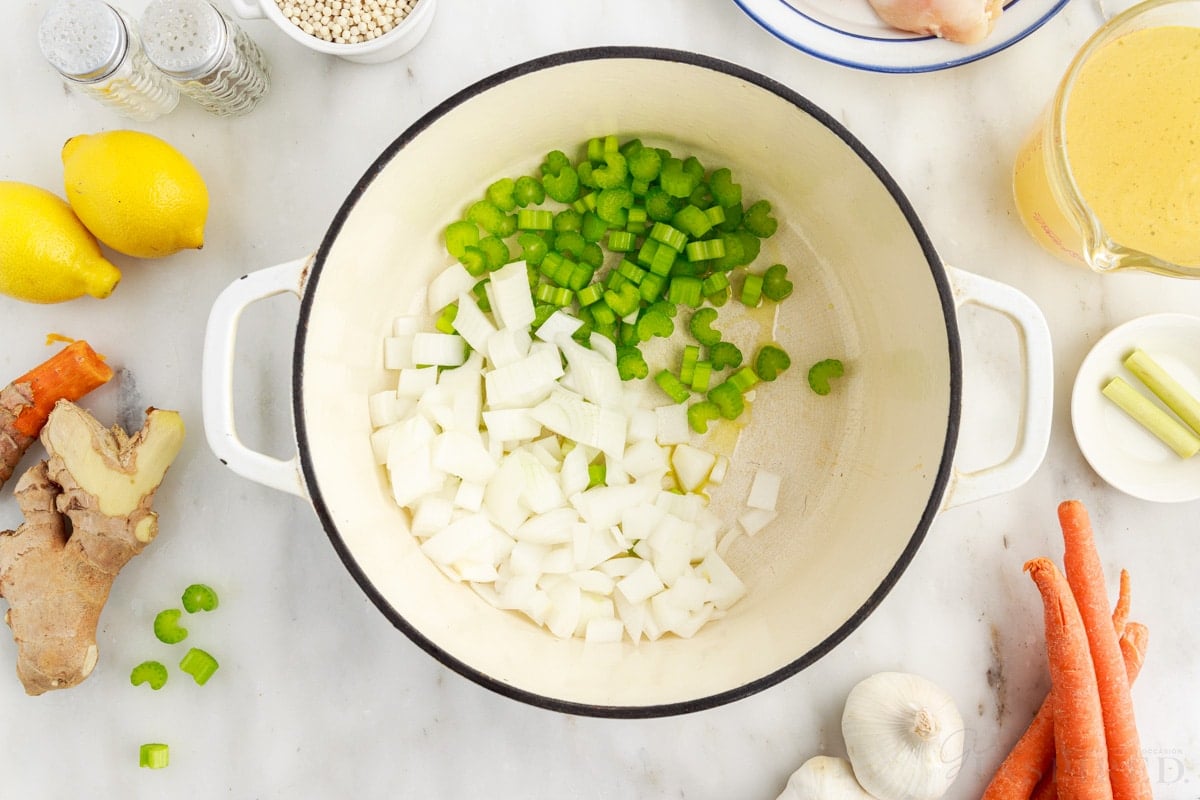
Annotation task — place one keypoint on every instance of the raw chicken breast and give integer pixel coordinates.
(963, 21)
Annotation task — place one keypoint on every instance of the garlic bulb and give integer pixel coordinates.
(904, 737)
(824, 778)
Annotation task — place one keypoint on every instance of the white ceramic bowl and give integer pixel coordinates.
(392, 45)
(865, 470)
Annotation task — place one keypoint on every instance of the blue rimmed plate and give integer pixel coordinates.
(848, 32)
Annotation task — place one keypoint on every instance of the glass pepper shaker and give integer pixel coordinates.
(96, 48)
(206, 54)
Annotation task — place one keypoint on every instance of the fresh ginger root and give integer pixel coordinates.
(26, 402)
(87, 512)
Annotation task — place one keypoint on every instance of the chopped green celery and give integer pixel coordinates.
(200, 597)
(590, 294)
(479, 290)
(568, 220)
(639, 188)
(752, 290)
(541, 312)
(674, 180)
(734, 253)
(687, 363)
(705, 250)
(718, 298)
(820, 373)
(613, 204)
(495, 252)
(555, 160)
(630, 147)
(664, 259)
(621, 241)
(561, 275)
(660, 206)
(771, 361)
(728, 399)
(692, 221)
(654, 322)
(167, 628)
(570, 243)
(592, 255)
(652, 287)
(668, 235)
(445, 320)
(153, 673)
(607, 329)
(154, 755)
(623, 301)
(724, 190)
(701, 196)
(556, 296)
(715, 215)
(529, 191)
(685, 290)
(744, 379)
(689, 269)
(580, 277)
(636, 220)
(733, 217)
(693, 167)
(502, 194)
(461, 235)
(714, 283)
(533, 248)
(586, 202)
(776, 286)
(550, 264)
(594, 149)
(631, 271)
(491, 218)
(562, 183)
(535, 219)
(701, 326)
(702, 413)
(596, 475)
(614, 280)
(644, 164)
(758, 219)
(675, 388)
(662, 306)
(701, 375)
(199, 664)
(627, 335)
(583, 334)
(586, 172)
(593, 227)
(725, 354)
(614, 171)
(631, 364)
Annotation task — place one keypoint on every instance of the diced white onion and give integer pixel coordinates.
(692, 466)
(754, 520)
(508, 346)
(472, 324)
(449, 284)
(438, 349)
(672, 424)
(511, 300)
(559, 323)
(397, 352)
(415, 381)
(764, 491)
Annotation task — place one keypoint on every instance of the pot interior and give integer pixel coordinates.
(863, 468)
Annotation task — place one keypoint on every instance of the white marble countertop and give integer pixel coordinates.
(319, 695)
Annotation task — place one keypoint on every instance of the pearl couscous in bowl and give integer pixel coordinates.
(365, 31)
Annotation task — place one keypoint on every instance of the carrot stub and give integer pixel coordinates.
(1080, 755)
(26, 403)
(1085, 576)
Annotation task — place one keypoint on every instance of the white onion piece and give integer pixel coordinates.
(764, 491)
(449, 284)
(472, 324)
(510, 298)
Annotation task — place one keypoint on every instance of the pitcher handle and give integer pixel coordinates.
(220, 336)
(1037, 402)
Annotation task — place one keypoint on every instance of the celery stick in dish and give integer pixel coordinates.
(1152, 418)
(1165, 387)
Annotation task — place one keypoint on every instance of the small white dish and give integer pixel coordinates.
(1123, 453)
(849, 32)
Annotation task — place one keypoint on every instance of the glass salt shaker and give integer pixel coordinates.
(96, 48)
(210, 58)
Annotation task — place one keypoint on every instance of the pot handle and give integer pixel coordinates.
(248, 9)
(217, 376)
(1037, 367)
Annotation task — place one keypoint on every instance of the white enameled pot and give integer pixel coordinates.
(864, 475)
(392, 45)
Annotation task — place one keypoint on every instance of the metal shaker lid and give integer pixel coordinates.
(183, 38)
(83, 39)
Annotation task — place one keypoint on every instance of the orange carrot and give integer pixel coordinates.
(1081, 562)
(26, 403)
(1080, 756)
(1133, 649)
(1029, 764)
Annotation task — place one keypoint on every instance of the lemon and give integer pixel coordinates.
(46, 254)
(135, 192)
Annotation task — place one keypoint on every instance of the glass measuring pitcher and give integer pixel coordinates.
(1110, 177)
